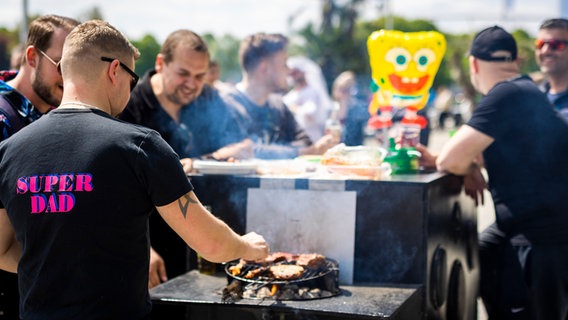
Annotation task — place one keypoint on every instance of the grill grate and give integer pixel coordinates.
(308, 274)
(324, 279)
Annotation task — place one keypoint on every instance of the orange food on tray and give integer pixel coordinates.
(358, 161)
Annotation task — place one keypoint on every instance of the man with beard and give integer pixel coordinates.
(77, 187)
(37, 87)
(174, 100)
(25, 96)
(552, 56)
(257, 101)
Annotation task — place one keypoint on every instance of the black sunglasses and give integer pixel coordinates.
(134, 76)
(553, 44)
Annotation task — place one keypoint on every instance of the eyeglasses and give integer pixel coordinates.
(553, 44)
(134, 76)
(56, 64)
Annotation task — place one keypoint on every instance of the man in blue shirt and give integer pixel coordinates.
(551, 51)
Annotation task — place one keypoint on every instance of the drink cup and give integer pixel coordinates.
(206, 267)
(409, 135)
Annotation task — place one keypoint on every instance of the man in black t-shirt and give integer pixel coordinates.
(258, 105)
(524, 146)
(77, 187)
(174, 100)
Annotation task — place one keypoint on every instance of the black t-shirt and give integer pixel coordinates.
(272, 127)
(527, 163)
(78, 186)
(206, 124)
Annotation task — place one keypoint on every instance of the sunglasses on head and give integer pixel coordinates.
(134, 76)
(553, 44)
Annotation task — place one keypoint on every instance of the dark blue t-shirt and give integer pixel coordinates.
(527, 163)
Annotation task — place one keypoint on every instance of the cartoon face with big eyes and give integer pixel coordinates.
(404, 65)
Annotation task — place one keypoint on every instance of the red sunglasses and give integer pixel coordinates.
(553, 44)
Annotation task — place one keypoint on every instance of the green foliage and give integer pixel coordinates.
(149, 48)
(525, 44)
(8, 40)
(225, 50)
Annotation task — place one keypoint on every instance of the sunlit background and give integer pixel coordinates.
(241, 17)
(332, 33)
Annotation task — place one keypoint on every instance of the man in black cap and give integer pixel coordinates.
(523, 143)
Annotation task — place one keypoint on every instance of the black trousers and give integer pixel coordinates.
(9, 296)
(522, 280)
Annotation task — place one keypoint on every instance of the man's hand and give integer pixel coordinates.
(259, 249)
(187, 164)
(321, 146)
(474, 184)
(157, 270)
(239, 150)
(427, 160)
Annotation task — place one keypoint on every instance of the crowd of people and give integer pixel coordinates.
(93, 169)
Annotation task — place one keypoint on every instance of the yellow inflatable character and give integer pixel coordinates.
(403, 66)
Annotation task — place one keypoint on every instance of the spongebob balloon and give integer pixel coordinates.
(403, 66)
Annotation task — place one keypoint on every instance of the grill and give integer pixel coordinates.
(312, 284)
(414, 257)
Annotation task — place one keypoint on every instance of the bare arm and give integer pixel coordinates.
(459, 154)
(209, 236)
(321, 146)
(10, 249)
(459, 158)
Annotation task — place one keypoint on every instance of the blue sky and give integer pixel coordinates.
(242, 17)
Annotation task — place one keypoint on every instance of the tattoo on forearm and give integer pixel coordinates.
(184, 204)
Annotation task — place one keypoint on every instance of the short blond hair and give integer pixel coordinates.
(90, 41)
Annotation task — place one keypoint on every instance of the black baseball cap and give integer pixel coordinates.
(493, 39)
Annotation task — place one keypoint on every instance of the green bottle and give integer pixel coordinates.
(402, 160)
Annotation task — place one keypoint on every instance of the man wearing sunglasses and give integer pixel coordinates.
(551, 51)
(174, 100)
(77, 188)
(37, 87)
(26, 95)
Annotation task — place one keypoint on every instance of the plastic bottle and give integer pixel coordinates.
(333, 125)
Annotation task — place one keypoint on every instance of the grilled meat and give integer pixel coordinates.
(312, 261)
(286, 271)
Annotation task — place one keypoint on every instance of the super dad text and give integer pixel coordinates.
(54, 192)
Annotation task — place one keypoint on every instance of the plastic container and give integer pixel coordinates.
(409, 136)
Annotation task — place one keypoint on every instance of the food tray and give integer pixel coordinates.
(223, 167)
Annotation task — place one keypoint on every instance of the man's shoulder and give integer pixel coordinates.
(208, 95)
(229, 92)
(10, 101)
(519, 87)
(7, 75)
(277, 104)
